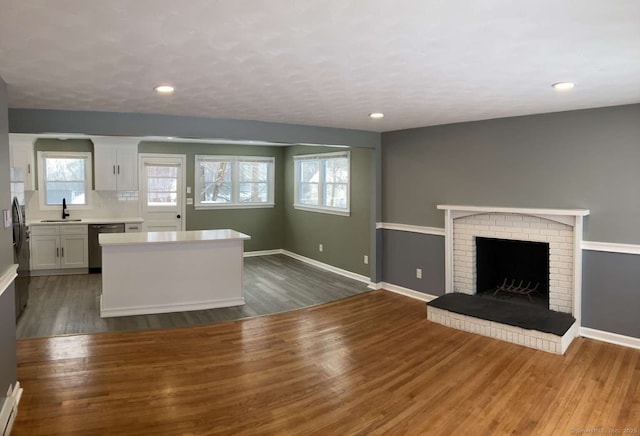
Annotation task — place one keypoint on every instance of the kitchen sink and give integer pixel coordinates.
(61, 221)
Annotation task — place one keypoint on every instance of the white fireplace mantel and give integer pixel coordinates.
(570, 217)
(565, 216)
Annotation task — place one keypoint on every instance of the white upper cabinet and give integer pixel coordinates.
(115, 164)
(21, 156)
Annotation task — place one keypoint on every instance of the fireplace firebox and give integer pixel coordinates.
(512, 269)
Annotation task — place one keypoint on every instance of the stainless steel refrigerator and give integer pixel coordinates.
(20, 241)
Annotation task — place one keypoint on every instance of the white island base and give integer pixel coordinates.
(160, 272)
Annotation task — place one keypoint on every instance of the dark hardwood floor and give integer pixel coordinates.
(370, 364)
(60, 305)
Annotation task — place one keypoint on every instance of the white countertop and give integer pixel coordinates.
(107, 239)
(125, 220)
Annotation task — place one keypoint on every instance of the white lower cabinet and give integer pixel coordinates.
(59, 247)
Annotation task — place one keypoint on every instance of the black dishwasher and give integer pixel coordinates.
(95, 251)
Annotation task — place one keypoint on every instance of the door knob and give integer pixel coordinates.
(178, 216)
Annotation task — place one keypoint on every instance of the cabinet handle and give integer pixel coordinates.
(114, 169)
(62, 252)
(133, 227)
(57, 252)
(118, 169)
(28, 168)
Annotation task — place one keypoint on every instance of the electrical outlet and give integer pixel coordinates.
(418, 273)
(366, 259)
(320, 248)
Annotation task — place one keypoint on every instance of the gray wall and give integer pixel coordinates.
(345, 239)
(7, 305)
(264, 225)
(611, 292)
(578, 159)
(404, 252)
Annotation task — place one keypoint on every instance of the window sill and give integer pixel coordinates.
(234, 206)
(322, 210)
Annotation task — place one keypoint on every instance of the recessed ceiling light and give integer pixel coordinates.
(563, 86)
(164, 89)
(376, 115)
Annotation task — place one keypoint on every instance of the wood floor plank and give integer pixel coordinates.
(62, 305)
(370, 364)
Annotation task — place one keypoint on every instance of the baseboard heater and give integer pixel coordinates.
(10, 409)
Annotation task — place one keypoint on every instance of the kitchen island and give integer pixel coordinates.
(160, 272)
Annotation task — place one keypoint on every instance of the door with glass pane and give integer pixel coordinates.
(161, 193)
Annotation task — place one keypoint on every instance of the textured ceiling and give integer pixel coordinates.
(322, 62)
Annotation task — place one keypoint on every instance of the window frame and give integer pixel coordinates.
(235, 203)
(321, 158)
(88, 178)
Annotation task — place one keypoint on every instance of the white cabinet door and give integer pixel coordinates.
(127, 169)
(21, 156)
(115, 164)
(74, 251)
(45, 253)
(105, 161)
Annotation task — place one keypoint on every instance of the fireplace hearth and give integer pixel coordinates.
(505, 293)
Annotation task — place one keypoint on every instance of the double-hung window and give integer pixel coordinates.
(234, 181)
(322, 182)
(64, 175)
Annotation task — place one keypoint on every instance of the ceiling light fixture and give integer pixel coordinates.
(164, 89)
(563, 86)
(376, 115)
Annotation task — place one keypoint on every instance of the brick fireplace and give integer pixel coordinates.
(561, 229)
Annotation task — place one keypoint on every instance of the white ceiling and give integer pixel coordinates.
(322, 62)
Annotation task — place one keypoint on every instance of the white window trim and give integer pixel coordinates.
(87, 181)
(234, 182)
(321, 185)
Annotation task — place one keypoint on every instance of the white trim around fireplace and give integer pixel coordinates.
(607, 247)
(570, 217)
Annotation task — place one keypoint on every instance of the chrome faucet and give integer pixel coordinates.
(65, 211)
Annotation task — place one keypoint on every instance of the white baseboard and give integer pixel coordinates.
(10, 409)
(612, 338)
(326, 267)
(169, 308)
(407, 292)
(262, 252)
(316, 263)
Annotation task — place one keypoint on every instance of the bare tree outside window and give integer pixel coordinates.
(234, 180)
(64, 178)
(215, 182)
(162, 185)
(322, 182)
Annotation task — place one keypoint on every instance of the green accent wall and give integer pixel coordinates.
(345, 239)
(264, 225)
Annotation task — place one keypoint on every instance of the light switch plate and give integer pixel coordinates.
(6, 218)
(188, 189)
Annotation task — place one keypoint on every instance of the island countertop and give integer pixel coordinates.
(188, 236)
